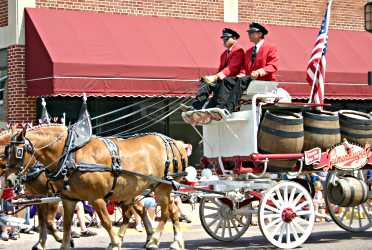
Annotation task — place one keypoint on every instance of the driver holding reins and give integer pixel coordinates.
(231, 63)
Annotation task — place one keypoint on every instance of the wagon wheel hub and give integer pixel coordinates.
(288, 215)
(226, 212)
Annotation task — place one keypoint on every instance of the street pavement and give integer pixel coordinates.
(325, 236)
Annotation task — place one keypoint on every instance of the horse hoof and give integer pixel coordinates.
(176, 246)
(146, 243)
(37, 248)
(111, 247)
(152, 246)
(72, 244)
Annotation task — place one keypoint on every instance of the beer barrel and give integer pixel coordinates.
(321, 129)
(348, 192)
(356, 126)
(281, 132)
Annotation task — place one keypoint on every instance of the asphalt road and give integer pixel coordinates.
(325, 237)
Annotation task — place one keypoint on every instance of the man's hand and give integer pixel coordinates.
(210, 79)
(254, 75)
(260, 72)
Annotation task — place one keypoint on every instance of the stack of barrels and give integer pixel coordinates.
(283, 132)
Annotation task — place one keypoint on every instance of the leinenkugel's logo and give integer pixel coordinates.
(348, 156)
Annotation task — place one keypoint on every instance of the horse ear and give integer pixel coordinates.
(22, 135)
(13, 127)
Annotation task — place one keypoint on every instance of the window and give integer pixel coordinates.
(3, 80)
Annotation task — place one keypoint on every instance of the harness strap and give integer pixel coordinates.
(89, 167)
(33, 173)
(61, 171)
(115, 164)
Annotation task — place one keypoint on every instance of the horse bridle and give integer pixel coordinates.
(26, 146)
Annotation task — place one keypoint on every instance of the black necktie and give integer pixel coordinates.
(254, 53)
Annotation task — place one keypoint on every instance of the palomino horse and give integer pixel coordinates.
(37, 186)
(146, 155)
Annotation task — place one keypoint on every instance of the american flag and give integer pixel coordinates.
(315, 74)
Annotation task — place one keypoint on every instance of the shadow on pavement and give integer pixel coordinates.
(333, 236)
(254, 242)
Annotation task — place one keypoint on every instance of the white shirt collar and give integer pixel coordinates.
(259, 44)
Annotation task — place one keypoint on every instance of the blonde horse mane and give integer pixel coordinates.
(45, 126)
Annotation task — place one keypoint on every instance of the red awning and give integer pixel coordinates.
(70, 52)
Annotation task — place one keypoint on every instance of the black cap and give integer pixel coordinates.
(226, 32)
(256, 27)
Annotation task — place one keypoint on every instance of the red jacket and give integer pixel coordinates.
(231, 63)
(266, 59)
(8, 194)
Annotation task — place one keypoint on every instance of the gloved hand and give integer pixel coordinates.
(210, 79)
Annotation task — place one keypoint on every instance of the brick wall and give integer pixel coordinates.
(20, 108)
(346, 14)
(3, 13)
(196, 9)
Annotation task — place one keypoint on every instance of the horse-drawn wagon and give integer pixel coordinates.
(269, 158)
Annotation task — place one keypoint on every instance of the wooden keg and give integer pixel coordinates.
(348, 192)
(321, 129)
(356, 126)
(281, 132)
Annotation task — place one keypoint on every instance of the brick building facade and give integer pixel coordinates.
(3, 13)
(347, 15)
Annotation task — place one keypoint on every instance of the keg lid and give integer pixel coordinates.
(286, 114)
(286, 117)
(321, 115)
(355, 117)
(355, 114)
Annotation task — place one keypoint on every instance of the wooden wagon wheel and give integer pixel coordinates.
(286, 215)
(221, 221)
(352, 219)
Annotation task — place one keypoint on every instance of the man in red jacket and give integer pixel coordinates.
(261, 60)
(231, 63)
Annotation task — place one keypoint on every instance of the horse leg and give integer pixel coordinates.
(163, 194)
(141, 210)
(41, 213)
(50, 222)
(68, 213)
(100, 207)
(178, 242)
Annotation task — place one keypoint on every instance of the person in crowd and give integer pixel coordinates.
(80, 214)
(148, 202)
(181, 210)
(6, 194)
(319, 203)
(231, 63)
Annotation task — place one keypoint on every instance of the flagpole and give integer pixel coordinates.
(315, 77)
(330, 2)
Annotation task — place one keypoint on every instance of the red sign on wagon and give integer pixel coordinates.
(312, 156)
(345, 156)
